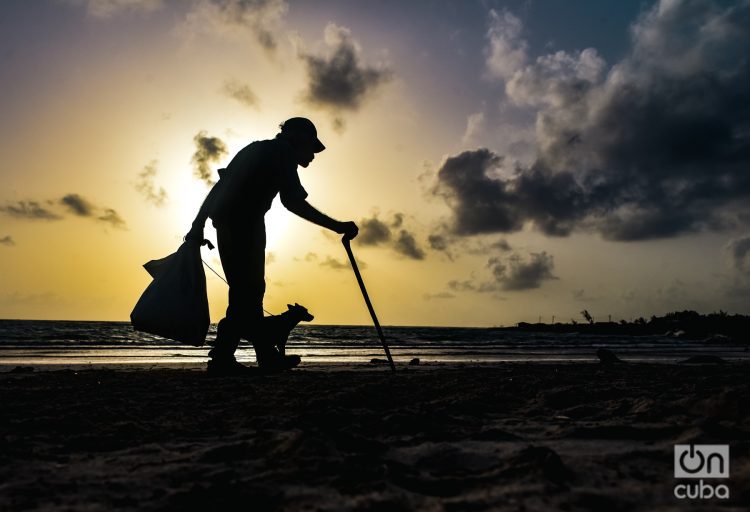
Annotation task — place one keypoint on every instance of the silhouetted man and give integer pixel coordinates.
(237, 205)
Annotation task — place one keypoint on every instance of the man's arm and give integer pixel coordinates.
(308, 212)
(196, 231)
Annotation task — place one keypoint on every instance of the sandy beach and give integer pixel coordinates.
(514, 436)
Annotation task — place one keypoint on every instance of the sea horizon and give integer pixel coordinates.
(77, 343)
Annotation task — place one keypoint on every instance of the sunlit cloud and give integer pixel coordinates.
(506, 51)
(240, 92)
(146, 187)
(261, 19)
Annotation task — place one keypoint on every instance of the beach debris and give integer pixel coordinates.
(414, 362)
(22, 369)
(606, 356)
(377, 360)
(175, 303)
(703, 359)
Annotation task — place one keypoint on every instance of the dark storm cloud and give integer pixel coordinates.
(208, 150)
(654, 146)
(480, 204)
(517, 273)
(29, 210)
(146, 187)
(78, 205)
(7, 240)
(407, 245)
(739, 251)
(338, 79)
(240, 92)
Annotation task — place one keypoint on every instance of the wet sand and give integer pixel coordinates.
(518, 436)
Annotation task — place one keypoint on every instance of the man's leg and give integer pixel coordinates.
(242, 253)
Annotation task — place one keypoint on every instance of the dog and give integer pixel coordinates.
(275, 330)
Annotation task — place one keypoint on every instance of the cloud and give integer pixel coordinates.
(461, 286)
(78, 205)
(373, 231)
(501, 244)
(338, 80)
(654, 146)
(113, 218)
(474, 125)
(74, 203)
(240, 92)
(7, 240)
(311, 256)
(506, 51)
(110, 8)
(480, 204)
(510, 271)
(739, 251)
(145, 185)
(208, 150)
(438, 242)
(440, 295)
(517, 273)
(406, 244)
(335, 264)
(260, 18)
(82, 207)
(29, 210)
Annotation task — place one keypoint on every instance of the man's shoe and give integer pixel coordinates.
(229, 368)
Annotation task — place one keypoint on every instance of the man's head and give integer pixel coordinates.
(303, 136)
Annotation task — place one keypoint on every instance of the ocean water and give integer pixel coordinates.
(69, 343)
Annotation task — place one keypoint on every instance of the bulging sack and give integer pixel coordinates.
(175, 304)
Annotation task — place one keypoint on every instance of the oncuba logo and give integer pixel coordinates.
(699, 461)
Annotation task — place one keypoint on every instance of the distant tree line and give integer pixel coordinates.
(681, 324)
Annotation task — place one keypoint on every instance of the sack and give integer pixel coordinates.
(175, 304)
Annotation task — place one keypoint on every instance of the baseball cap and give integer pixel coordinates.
(302, 125)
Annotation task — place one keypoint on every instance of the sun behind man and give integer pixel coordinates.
(237, 205)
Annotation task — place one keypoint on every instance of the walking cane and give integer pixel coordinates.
(347, 245)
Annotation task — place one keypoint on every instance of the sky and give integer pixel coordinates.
(506, 161)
